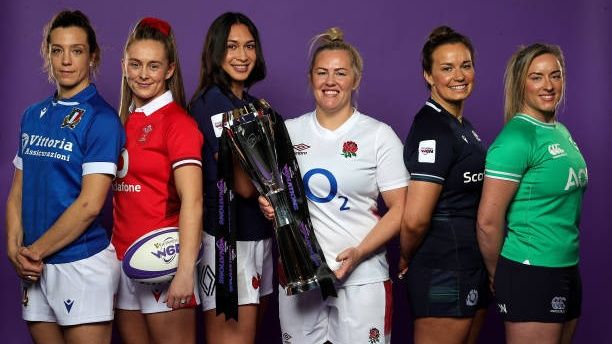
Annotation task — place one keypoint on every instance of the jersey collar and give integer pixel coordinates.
(534, 121)
(78, 98)
(155, 104)
(440, 109)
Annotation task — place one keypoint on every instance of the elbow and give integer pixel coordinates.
(414, 227)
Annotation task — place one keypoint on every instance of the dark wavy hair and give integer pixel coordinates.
(214, 52)
(440, 36)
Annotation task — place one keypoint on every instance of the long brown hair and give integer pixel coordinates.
(157, 30)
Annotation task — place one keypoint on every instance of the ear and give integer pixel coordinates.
(428, 78)
(170, 71)
(356, 83)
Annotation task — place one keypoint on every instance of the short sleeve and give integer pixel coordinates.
(508, 156)
(390, 171)
(184, 142)
(103, 143)
(428, 152)
(204, 109)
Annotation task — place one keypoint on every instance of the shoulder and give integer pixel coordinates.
(102, 109)
(375, 126)
(211, 102)
(37, 107)
(298, 121)
(516, 131)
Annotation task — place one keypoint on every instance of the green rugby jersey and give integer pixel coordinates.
(543, 217)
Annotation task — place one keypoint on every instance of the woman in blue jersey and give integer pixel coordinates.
(231, 62)
(447, 281)
(529, 213)
(70, 144)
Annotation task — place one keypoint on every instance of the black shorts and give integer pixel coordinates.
(446, 293)
(535, 293)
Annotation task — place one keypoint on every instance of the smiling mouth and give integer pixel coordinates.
(458, 87)
(241, 68)
(331, 92)
(548, 97)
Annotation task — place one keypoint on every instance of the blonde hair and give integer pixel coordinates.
(157, 30)
(516, 75)
(333, 39)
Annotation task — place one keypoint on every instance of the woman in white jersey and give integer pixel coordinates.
(529, 212)
(350, 159)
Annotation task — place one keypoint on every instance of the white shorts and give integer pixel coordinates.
(253, 271)
(75, 293)
(360, 314)
(149, 298)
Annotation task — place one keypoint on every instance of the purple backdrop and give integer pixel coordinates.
(389, 34)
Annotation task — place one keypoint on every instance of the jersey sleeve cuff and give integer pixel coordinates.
(186, 161)
(99, 167)
(18, 162)
(496, 174)
(424, 177)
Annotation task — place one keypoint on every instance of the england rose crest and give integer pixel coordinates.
(374, 335)
(349, 149)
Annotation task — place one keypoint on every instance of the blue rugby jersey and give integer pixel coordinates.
(61, 141)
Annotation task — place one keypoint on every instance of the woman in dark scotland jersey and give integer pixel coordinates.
(67, 159)
(231, 62)
(447, 282)
(529, 213)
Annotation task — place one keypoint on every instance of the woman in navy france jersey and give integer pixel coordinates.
(447, 282)
(70, 144)
(232, 61)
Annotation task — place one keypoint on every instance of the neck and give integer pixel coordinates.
(454, 108)
(546, 117)
(333, 120)
(237, 89)
(67, 93)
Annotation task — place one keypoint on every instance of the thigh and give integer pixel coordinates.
(218, 330)
(362, 314)
(431, 330)
(178, 326)
(132, 326)
(97, 333)
(45, 332)
(304, 318)
(83, 291)
(533, 332)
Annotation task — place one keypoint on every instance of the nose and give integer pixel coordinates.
(142, 72)
(459, 74)
(66, 59)
(548, 84)
(330, 79)
(242, 53)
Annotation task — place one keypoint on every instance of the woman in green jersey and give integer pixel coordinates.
(535, 177)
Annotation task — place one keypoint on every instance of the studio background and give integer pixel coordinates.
(389, 35)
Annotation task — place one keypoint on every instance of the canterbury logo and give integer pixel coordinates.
(555, 149)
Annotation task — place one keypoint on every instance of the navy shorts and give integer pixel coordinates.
(526, 293)
(446, 293)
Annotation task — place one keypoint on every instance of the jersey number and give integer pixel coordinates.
(333, 188)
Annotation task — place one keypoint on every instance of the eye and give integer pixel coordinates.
(77, 51)
(535, 77)
(134, 65)
(557, 77)
(231, 46)
(154, 66)
(341, 73)
(466, 66)
(447, 69)
(55, 51)
(250, 46)
(320, 73)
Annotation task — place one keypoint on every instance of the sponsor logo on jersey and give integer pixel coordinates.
(300, 149)
(502, 308)
(156, 293)
(556, 151)
(349, 149)
(427, 151)
(68, 304)
(469, 177)
(73, 118)
(39, 145)
(146, 130)
(472, 298)
(577, 179)
(286, 338)
(374, 335)
(217, 124)
(43, 111)
(557, 304)
(476, 136)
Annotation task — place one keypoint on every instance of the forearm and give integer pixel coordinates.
(386, 228)
(14, 226)
(490, 240)
(190, 232)
(411, 237)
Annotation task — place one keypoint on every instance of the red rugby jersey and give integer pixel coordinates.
(161, 137)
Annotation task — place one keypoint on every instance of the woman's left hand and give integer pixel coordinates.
(349, 259)
(180, 292)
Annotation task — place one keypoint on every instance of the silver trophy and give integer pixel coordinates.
(251, 131)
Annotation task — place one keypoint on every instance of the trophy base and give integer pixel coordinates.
(294, 288)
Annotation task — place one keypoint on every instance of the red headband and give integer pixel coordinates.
(156, 23)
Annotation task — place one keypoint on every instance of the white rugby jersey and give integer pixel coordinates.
(344, 171)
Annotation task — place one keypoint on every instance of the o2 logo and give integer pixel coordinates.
(333, 188)
(122, 165)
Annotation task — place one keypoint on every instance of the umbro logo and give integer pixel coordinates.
(300, 148)
(502, 308)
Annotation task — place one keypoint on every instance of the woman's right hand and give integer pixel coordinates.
(266, 208)
(26, 267)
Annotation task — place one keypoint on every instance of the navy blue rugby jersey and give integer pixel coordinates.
(206, 109)
(440, 149)
(61, 141)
